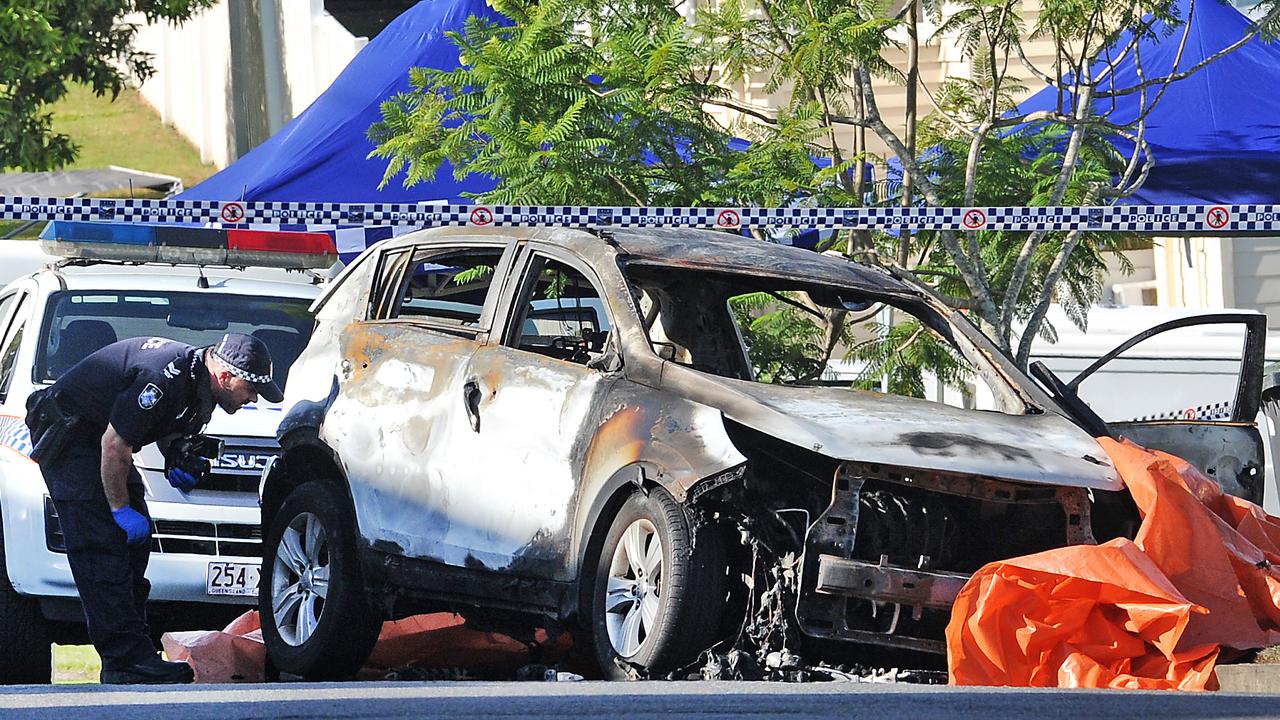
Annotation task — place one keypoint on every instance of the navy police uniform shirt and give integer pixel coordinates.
(146, 388)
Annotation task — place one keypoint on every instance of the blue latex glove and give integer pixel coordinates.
(136, 527)
(181, 479)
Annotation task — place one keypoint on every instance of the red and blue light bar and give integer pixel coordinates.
(189, 245)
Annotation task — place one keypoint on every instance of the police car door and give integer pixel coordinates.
(397, 413)
(1190, 387)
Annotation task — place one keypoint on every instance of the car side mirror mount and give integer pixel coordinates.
(608, 361)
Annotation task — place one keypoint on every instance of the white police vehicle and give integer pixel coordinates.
(206, 544)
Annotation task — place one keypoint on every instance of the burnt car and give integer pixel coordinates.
(563, 428)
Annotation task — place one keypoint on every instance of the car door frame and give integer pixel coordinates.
(1231, 450)
(476, 335)
(25, 302)
(501, 340)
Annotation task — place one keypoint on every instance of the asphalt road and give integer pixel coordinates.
(561, 701)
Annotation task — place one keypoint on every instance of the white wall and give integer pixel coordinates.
(189, 88)
(316, 49)
(192, 90)
(1257, 276)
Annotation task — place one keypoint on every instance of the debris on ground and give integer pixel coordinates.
(233, 654)
(1153, 613)
(1268, 656)
(433, 646)
(545, 673)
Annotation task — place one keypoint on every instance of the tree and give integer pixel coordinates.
(614, 101)
(46, 44)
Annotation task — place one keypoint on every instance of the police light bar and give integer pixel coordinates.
(178, 245)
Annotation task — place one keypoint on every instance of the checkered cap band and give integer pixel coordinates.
(240, 372)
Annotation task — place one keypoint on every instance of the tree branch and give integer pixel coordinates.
(903, 273)
(976, 282)
(1046, 294)
(635, 198)
(1022, 266)
(758, 113)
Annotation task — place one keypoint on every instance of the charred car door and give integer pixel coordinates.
(533, 396)
(1190, 387)
(401, 407)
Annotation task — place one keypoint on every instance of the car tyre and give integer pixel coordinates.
(24, 634)
(317, 622)
(658, 589)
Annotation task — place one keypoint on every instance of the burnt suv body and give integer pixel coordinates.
(558, 425)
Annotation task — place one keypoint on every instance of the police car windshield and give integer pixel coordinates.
(78, 322)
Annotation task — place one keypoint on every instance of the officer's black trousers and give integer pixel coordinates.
(109, 574)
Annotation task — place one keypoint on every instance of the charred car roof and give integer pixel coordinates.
(723, 252)
(688, 248)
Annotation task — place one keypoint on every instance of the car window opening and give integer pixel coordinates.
(777, 331)
(449, 288)
(561, 314)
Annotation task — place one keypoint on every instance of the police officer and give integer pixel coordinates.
(124, 396)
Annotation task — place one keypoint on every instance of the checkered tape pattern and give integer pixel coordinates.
(1212, 411)
(14, 434)
(1130, 218)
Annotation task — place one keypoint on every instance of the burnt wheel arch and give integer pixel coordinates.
(609, 499)
(304, 457)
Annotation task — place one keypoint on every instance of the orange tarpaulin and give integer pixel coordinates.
(1152, 613)
(434, 641)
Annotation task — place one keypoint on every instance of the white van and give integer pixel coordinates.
(1183, 373)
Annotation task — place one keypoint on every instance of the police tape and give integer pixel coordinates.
(1203, 219)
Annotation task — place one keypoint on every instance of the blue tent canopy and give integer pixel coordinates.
(1215, 136)
(320, 156)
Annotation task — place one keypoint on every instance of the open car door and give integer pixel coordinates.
(1191, 387)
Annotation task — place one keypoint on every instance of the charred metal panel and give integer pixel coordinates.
(682, 443)
(515, 484)
(893, 430)
(313, 375)
(391, 425)
(1231, 453)
(855, 578)
(685, 440)
(719, 252)
(449, 587)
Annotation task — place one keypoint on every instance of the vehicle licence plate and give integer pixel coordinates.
(226, 578)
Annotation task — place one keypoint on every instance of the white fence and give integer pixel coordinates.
(237, 72)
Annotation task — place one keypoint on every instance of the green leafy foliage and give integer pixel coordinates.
(45, 44)
(783, 342)
(897, 359)
(635, 102)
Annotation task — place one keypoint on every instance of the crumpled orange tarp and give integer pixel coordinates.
(430, 641)
(234, 654)
(1152, 613)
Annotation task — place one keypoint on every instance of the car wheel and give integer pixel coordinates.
(317, 622)
(24, 634)
(658, 589)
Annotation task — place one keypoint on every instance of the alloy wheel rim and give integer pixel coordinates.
(300, 578)
(633, 592)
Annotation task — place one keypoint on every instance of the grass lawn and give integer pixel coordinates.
(127, 133)
(75, 664)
